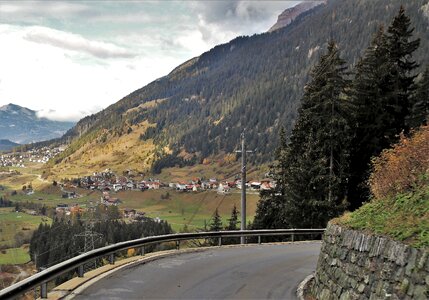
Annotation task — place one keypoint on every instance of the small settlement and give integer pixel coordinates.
(39, 155)
(107, 181)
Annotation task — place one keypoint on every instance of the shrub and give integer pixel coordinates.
(403, 167)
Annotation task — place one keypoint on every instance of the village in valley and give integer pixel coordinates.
(21, 159)
(108, 185)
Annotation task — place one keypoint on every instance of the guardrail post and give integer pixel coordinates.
(220, 241)
(142, 251)
(44, 290)
(80, 271)
(259, 239)
(112, 258)
(293, 237)
(177, 245)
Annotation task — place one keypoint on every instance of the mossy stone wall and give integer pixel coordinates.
(358, 265)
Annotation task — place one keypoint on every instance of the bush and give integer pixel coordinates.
(403, 167)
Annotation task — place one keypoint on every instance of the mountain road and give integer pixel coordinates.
(270, 271)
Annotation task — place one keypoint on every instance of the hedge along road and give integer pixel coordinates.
(270, 271)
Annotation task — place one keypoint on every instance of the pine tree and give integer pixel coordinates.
(233, 220)
(215, 225)
(216, 222)
(382, 95)
(420, 111)
(400, 48)
(368, 92)
(318, 151)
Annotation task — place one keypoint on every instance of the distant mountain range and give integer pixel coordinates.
(6, 145)
(200, 109)
(22, 125)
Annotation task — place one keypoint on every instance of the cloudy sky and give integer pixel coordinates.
(68, 59)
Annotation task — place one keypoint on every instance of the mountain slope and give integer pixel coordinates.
(202, 106)
(21, 125)
(6, 145)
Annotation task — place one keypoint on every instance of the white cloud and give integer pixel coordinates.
(241, 17)
(37, 9)
(70, 41)
(43, 77)
(68, 59)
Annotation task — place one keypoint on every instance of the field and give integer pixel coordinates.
(190, 209)
(14, 256)
(12, 223)
(52, 196)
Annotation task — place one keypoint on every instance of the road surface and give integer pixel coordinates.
(251, 272)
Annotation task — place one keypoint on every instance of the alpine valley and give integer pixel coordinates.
(198, 111)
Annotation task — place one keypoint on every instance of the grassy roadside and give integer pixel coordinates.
(399, 184)
(404, 217)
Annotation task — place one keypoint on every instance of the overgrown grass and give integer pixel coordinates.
(404, 217)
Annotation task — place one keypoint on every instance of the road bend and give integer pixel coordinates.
(251, 272)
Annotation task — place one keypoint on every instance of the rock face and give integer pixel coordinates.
(286, 17)
(22, 125)
(356, 265)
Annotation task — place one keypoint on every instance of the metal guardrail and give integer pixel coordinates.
(42, 278)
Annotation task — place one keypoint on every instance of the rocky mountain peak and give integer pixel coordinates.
(287, 16)
(16, 109)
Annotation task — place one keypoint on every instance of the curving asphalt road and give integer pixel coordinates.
(251, 272)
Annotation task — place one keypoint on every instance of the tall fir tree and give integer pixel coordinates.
(311, 172)
(368, 90)
(319, 148)
(401, 46)
(382, 95)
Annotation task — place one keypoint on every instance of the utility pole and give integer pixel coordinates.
(243, 152)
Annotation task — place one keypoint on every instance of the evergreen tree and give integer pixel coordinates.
(382, 94)
(215, 225)
(232, 225)
(420, 111)
(401, 77)
(233, 220)
(216, 222)
(319, 148)
(368, 90)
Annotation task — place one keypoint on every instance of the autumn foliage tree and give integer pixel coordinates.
(402, 167)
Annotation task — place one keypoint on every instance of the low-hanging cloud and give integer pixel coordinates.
(70, 115)
(238, 13)
(74, 42)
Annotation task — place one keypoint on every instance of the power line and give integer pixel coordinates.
(89, 234)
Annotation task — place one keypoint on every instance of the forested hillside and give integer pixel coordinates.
(254, 82)
(342, 125)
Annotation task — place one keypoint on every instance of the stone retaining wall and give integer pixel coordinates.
(356, 265)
